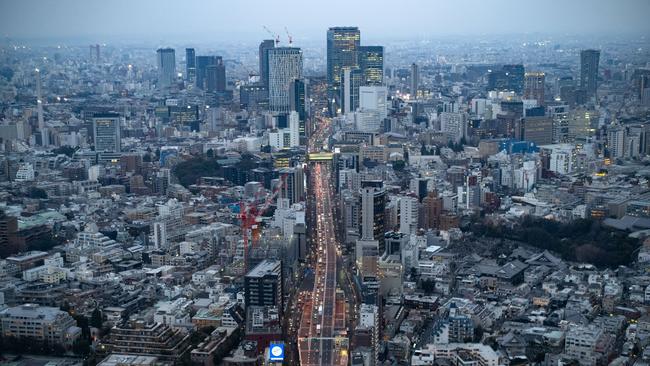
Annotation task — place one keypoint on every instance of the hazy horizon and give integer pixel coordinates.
(199, 21)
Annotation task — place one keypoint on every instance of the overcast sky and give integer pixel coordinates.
(220, 20)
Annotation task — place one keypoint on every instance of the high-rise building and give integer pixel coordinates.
(374, 98)
(106, 128)
(215, 76)
(616, 141)
(415, 80)
(39, 109)
(263, 285)
(432, 210)
(266, 45)
(373, 205)
(371, 62)
(190, 64)
(537, 129)
(350, 83)
(408, 215)
(342, 51)
(285, 66)
(534, 87)
(166, 66)
(202, 63)
(299, 102)
(293, 186)
(514, 75)
(589, 60)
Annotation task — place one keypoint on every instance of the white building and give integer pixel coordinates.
(42, 323)
(454, 125)
(285, 66)
(374, 98)
(408, 215)
(286, 138)
(25, 172)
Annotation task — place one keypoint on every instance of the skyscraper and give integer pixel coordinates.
(589, 71)
(534, 87)
(106, 128)
(39, 109)
(342, 51)
(373, 205)
(215, 76)
(202, 63)
(415, 80)
(298, 94)
(190, 64)
(351, 81)
(266, 45)
(515, 77)
(371, 62)
(285, 66)
(166, 66)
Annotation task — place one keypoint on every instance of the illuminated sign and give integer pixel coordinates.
(276, 352)
(321, 156)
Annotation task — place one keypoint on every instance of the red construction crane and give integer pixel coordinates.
(249, 216)
(274, 35)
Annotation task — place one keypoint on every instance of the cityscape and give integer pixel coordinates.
(449, 183)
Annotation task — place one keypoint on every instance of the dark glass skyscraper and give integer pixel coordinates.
(190, 64)
(202, 63)
(371, 61)
(266, 45)
(215, 76)
(342, 51)
(589, 60)
(515, 77)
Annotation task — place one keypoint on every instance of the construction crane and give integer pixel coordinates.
(274, 35)
(250, 218)
(289, 36)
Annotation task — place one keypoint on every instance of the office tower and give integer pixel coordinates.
(432, 210)
(293, 186)
(160, 235)
(39, 109)
(266, 45)
(190, 64)
(616, 141)
(202, 63)
(215, 76)
(374, 98)
(8, 229)
(285, 66)
(342, 51)
(263, 285)
(408, 215)
(350, 83)
(94, 53)
(166, 66)
(589, 71)
(514, 75)
(106, 128)
(373, 205)
(642, 84)
(415, 80)
(454, 125)
(371, 62)
(299, 102)
(538, 129)
(534, 87)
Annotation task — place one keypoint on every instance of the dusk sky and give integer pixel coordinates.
(219, 20)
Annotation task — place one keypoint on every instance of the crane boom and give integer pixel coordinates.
(275, 36)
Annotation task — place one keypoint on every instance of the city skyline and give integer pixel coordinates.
(195, 20)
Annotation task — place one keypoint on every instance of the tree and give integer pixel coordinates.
(35, 192)
(428, 286)
(65, 150)
(210, 153)
(399, 165)
(96, 319)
